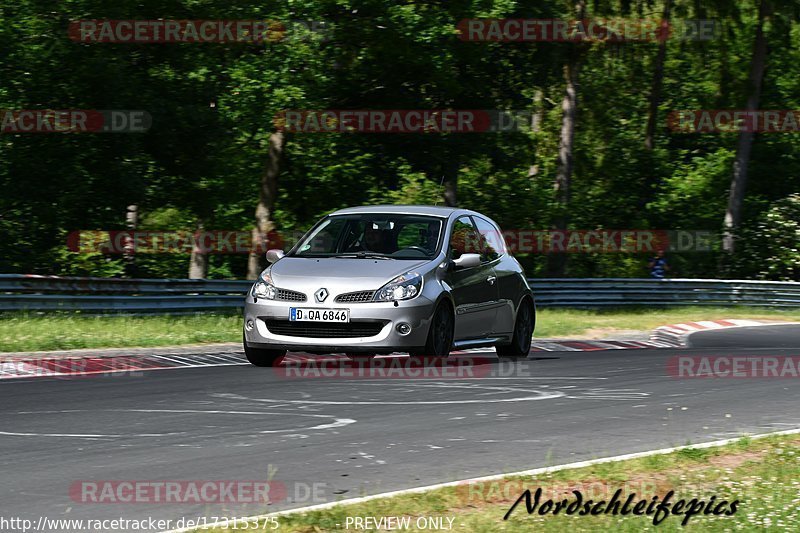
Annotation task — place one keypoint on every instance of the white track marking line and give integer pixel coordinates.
(671, 329)
(540, 395)
(336, 423)
(661, 344)
(743, 322)
(225, 359)
(606, 345)
(555, 347)
(86, 436)
(710, 324)
(168, 359)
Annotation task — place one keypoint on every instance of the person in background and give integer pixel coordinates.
(658, 265)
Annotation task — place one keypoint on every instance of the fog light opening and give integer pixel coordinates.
(249, 325)
(403, 328)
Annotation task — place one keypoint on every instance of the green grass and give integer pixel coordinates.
(763, 475)
(572, 322)
(20, 332)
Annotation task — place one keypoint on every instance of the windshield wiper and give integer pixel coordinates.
(363, 255)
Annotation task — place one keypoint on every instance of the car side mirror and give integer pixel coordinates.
(467, 261)
(274, 255)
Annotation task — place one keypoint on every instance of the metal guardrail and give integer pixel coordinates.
(162, 296)
(611, 292)
(20, 292)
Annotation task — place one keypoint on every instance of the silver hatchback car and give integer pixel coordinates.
(382, 279)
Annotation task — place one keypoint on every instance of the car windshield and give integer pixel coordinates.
(371, 236)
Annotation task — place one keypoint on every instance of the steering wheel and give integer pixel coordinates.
(418, 249)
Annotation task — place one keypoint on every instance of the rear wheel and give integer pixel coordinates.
(523, 332)
(440, 335)
(262, 357)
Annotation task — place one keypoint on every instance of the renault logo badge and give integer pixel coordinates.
(321, 294)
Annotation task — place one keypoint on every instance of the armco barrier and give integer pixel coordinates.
(99, 295)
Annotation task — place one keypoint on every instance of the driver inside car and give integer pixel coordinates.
(375, 240)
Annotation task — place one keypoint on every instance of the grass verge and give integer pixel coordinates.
(575, 323)
(21, 332)
(762, 475)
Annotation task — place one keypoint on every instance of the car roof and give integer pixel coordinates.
(431, 210)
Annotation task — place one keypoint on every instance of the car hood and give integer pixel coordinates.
(338, 275)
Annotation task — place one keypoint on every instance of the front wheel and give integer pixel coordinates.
(523, 333)
(440, 335)
(262, 357)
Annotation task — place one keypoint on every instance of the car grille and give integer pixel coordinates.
(290, 296)
(355, 297)
(323, 329)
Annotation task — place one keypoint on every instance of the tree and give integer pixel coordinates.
(658, 79)
(758, 62)
(569, 108)
(267, 193)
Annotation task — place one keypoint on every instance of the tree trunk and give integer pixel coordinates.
(129, 252)
(733, 214)
(658, 80)
(556, 262)
(198, 261)
(569, 106)
(537, 118)
(268, 191)
(451, 183)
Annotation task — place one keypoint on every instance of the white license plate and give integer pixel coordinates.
(302, 314)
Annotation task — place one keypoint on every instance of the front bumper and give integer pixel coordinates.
(380, 317)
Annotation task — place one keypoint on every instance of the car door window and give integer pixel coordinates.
(491, 240)
(464, 238)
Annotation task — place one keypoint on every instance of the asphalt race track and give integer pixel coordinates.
(348, 437)
(774, 336)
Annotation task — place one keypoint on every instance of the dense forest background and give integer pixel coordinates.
(598, 152)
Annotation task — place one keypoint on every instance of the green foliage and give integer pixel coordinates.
(771, 250)
(694, 454)
(413, 189)
(213, 108)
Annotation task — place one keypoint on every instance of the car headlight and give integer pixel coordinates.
(402, 287)
(263, 287)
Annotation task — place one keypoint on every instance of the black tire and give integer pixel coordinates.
(262, 357)
(523, 333)
(440, 334)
